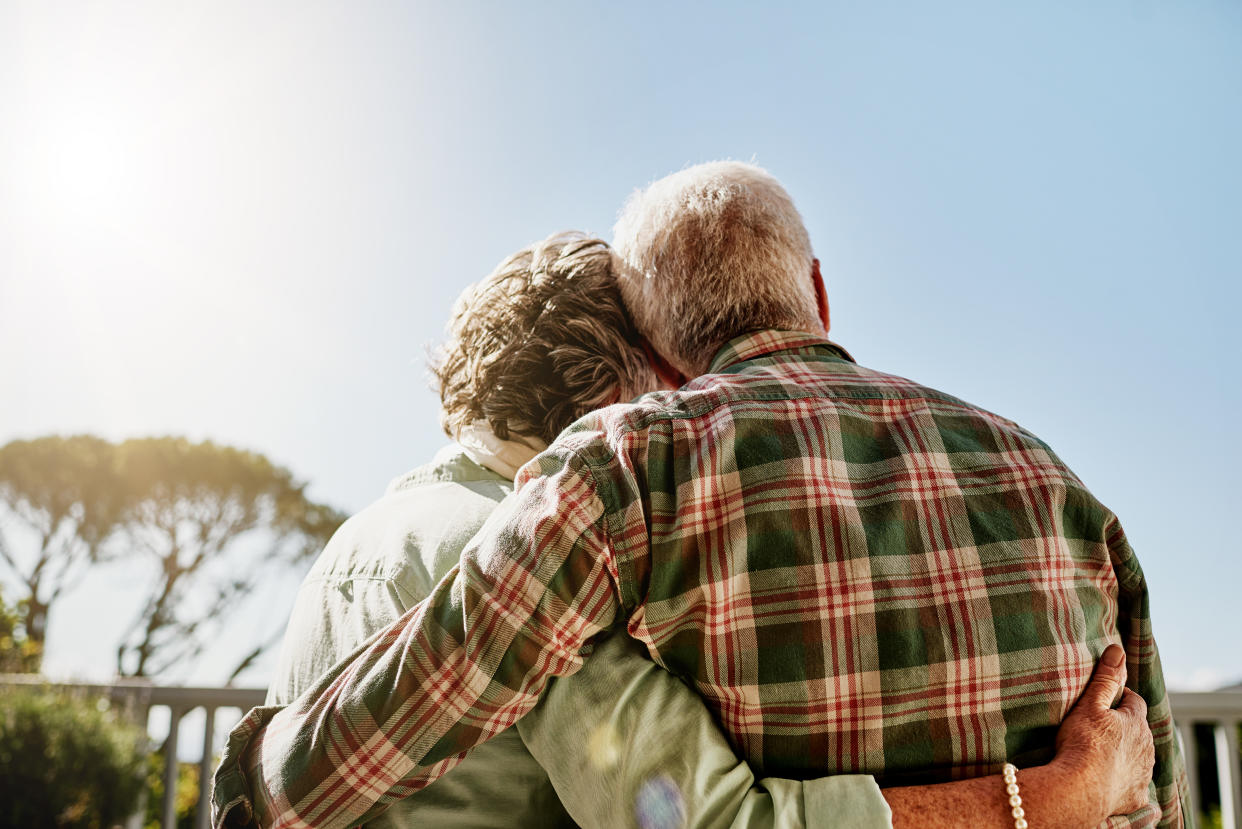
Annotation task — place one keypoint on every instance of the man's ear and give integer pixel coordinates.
(821, 294)
(669, 376)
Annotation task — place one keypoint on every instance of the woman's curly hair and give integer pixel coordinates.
(541, 341)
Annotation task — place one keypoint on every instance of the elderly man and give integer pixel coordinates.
(541, 341)
(858, 574)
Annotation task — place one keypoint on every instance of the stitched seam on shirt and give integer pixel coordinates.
(408, 598)
(650, 418)
(625, 583)
(347, 579)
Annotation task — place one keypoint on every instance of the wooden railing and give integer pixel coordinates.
(1219, 711)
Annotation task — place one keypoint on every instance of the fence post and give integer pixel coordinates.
(136, 707)
(1226, 732)
(202, 819)
(1190, 756)
(168, 809)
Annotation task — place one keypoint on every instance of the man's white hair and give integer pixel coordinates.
(710, 253)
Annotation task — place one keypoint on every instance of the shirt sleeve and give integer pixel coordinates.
(532, 588)
(1169, 793)
(628, 744)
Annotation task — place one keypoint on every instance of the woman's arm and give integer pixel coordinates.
(628, 744)
(1102, 767)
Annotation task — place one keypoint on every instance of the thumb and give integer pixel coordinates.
(1107, 680)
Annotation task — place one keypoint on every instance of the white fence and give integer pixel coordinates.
(1219, 711)
(1222, 712)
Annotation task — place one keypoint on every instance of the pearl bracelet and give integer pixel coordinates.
(1010, 773)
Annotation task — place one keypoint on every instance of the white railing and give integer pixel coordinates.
(1220, 710)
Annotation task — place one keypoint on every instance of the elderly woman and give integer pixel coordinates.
(541, 341)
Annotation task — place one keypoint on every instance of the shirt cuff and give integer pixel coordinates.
(845, 800)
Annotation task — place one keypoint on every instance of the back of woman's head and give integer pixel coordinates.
(541, 341)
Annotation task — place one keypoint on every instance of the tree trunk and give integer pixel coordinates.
(36, 628)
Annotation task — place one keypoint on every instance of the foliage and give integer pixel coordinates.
(211, 519)
(61, 504)
(66, 761)
(18, 654)
(187, 792)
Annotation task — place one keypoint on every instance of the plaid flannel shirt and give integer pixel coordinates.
(857, 573)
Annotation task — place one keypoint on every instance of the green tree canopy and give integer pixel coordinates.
(61, 503)
(213, 521)
(210, 522)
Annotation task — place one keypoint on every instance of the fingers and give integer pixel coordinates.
(1135, 707)
(1132, 712)
(1109, 675)
(1133, 704)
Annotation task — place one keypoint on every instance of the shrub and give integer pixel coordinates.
(19, 654)
(187, 792)
(66, 761)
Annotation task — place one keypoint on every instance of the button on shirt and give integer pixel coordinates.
(857, 573)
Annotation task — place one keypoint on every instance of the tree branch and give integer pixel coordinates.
(7, 556)
(250, 658)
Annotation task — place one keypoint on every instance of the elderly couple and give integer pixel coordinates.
(774, 588)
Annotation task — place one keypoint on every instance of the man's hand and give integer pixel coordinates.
(1102, 767)
(1111, 748)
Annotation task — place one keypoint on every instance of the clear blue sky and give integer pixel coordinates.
(248, 222)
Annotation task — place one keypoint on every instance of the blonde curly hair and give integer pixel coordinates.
(539, 342)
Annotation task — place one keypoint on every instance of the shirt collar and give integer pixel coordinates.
(452, 465)
(760, 343)
(504, 457)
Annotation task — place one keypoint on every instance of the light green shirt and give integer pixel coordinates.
(620, 743)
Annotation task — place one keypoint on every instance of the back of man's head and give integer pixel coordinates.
(710, 253)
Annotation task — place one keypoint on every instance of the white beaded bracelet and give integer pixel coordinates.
(1010, 773)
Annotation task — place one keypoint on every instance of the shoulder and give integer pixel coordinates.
(420, 520)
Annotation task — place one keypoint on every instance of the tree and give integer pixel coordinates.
(213, 520)
(60, 503)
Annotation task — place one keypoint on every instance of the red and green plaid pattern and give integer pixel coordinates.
(858, 574)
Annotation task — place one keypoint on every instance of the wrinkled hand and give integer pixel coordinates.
(1111, 747)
